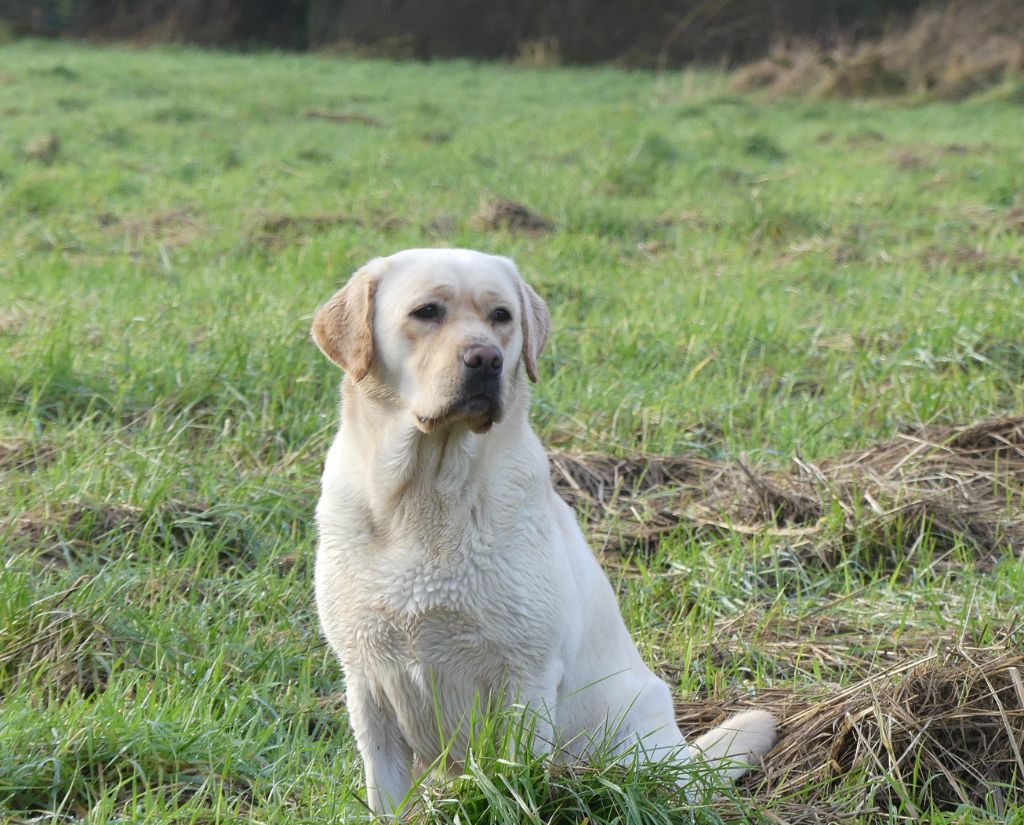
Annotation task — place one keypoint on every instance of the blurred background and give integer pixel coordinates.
(948, 49)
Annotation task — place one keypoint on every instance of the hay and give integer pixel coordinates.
(947, 50)
(951, 486)
(945, 729)
(942, 729)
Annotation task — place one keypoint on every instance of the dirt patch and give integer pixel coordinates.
(278, 229)
(907, 160)
(343, 117)
(436, 136)
(949, 51)
(77, 531)
(506, 214)
(941, 486)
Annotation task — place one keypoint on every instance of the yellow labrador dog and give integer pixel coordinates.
(448, 569)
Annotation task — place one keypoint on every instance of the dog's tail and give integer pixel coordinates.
(738, 743)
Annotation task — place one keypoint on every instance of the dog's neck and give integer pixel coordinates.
(410, 476)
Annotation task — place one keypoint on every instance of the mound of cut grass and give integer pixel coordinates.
(937, 486)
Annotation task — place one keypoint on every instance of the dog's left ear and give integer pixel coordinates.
(536, 323)
(343, 327)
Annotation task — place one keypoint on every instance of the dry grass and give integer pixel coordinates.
(43, 147)
(24, 454)
(942, 725)
(962, 258)
(947, 485)
(949, 50)
(169, 228)
(945, 727)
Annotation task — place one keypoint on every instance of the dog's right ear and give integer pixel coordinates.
(343, 327)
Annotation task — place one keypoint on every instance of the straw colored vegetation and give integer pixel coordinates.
(783, 392)
(949, 50)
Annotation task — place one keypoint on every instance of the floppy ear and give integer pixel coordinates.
(343, 327)
(536, 326)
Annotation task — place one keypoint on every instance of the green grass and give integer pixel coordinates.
(729, 277)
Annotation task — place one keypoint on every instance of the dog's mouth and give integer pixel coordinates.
(479, 404)
(480, 411)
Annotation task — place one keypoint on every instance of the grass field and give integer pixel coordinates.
(731, 280)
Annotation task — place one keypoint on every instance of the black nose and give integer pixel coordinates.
(483, 360)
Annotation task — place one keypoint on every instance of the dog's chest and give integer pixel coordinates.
(441, 607)
(475, 610)
(446, 634)
(452, 590)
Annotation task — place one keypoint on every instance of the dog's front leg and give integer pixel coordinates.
(386, 755)
(539, 701)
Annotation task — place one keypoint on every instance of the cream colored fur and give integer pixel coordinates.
(448, 570)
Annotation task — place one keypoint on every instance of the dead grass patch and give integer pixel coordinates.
(942, 486)
(970, 259)
(24, 454)
(949, 50)
(1015, 220)
(942, 729)
(442, 226)
(75, 531)
(14, 317)
(170, 228)
(43, 147)
(501, 213)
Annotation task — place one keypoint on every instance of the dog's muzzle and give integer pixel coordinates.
(480, 396)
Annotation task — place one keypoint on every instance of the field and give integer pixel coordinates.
(800, 301)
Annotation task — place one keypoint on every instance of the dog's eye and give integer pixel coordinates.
(501, 316)
(427, 312)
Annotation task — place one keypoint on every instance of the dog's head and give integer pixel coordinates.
(446, 333)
